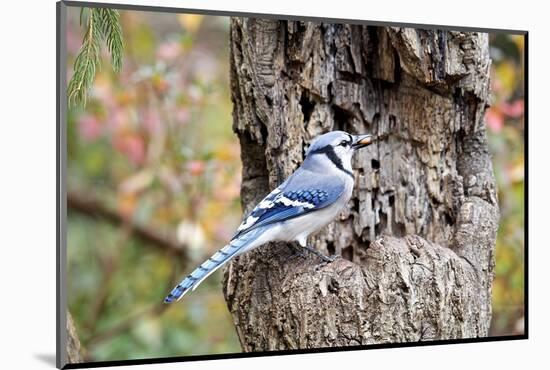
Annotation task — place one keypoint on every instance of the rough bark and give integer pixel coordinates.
(73, 343)
(417, 238)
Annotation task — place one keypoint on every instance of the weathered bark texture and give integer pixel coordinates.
(417, 238)
(73, 343)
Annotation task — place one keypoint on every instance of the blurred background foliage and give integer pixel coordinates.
(154, 180)
(506, 132)
(153, 189)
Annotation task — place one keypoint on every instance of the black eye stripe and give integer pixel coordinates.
(345, 143)
(329, 152)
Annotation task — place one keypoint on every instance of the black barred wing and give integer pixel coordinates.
(289, 202)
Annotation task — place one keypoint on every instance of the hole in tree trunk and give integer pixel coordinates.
(307, 106)
(347, 253)
(448, 219)
(330, 248)
(375, 164)
(382, 225)
(341, 118)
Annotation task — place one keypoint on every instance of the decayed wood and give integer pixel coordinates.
(417, 238)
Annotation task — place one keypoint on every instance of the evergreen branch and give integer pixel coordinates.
(101, 24)
(86, 63)
(112, 34)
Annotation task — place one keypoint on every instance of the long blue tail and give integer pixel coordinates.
(213, 263)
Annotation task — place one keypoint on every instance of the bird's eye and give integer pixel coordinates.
(344, 143)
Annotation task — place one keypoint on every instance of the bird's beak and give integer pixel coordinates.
(362, 141)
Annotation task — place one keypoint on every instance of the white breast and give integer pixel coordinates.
(300, 228)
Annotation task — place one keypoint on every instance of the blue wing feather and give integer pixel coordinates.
(303, 192)
(300, 194)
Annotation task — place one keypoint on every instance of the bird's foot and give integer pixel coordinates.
(326, 259)
(298, 252)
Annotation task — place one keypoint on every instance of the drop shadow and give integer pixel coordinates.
(47, 358)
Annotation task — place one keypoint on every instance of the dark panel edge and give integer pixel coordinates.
(61, 215)
(285, 17)
(290, 352)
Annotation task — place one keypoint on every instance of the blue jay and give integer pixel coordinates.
(308, 200)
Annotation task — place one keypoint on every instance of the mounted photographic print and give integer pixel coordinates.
(235, 185)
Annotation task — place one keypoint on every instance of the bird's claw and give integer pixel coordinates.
(325, 259)
(333, 257)
(297, 252)
(329, 259)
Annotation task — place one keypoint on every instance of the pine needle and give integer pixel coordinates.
(112, 34)
(101, 24)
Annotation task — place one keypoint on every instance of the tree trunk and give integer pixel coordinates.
(417, 238)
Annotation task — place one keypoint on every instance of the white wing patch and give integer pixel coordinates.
(294, 203)
(303, 199)
(250, 220)
(265, 204)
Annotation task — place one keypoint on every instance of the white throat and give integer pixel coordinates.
(337, 163)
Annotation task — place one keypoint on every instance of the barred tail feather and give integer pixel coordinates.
(213, 263)
(193, 280)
